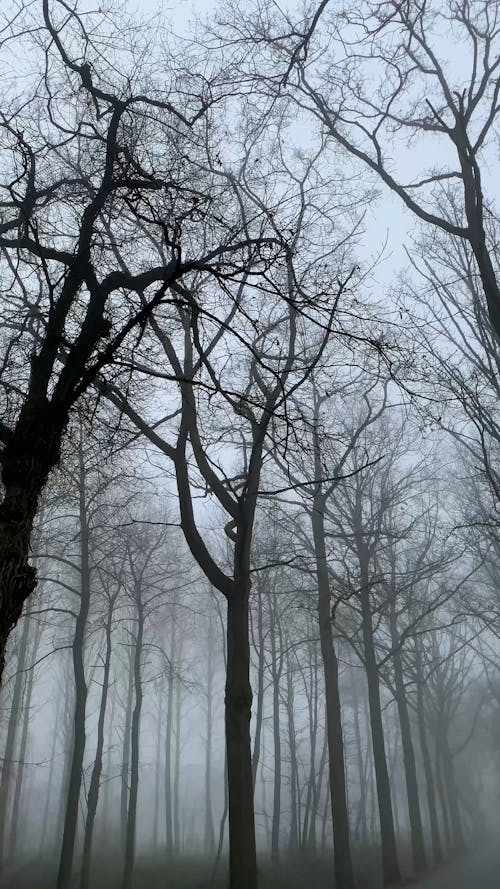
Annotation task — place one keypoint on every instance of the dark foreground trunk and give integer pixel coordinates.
(30, 454)
(238, 706)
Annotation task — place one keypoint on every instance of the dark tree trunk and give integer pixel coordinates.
(75, 775)
(260, 684)
(129, 857)
(344, 878)
(311, 690)
(410, 767)
(276, 671)
(125, 772)
(156, 818)
(390, 864)
(292, 747)
(26, 461)
(95, 779)
(238, 707)
(209, 820)
(169, 825)
(178, 839)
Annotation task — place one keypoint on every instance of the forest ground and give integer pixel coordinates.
(478, 871)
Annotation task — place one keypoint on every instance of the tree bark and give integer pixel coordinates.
(292, 748)
(129, 857)
(390, 864)
(178, 838)
(124, 790)
(75, 775)
(276, 671)
(426, 760)
(259, 714)
(344, 878)
(238, 708)
(30, 454)
(95, 779)
(14, 715)
(410, 768)
(16, 805)
(209, 820)
(169, 826)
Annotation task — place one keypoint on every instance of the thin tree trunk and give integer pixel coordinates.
(129, 857)
(426, 759)
(390, 864)
(442, 798)
(95, 779)
(361, 829)
(410, 767)
(124, 794)
(209, 821)
(75, 776)
(276, 671)
(178, 838)
(48, 794)
(169, 827)
(156, 817)
(292, 747)
(344, 877)
(457, 833)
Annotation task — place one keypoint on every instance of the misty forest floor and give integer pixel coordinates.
(478, 871)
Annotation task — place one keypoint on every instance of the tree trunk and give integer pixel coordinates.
(276, 671)
(26, 461)
(48, 794)
(75, 775)
(209, 821)
(124, 792)
(344, 878)
(429, 778)
(361, 829)
(15, 711)
(259, 714)
(129, 856)
(16, 806)
(156, 817)
(238, 708)
(390, 864)
(410, 767)
(169, 827)
(95, 779)
(292, 747)
(178, 839)
(457, 833)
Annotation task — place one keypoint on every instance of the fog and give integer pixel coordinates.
(249, 445)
